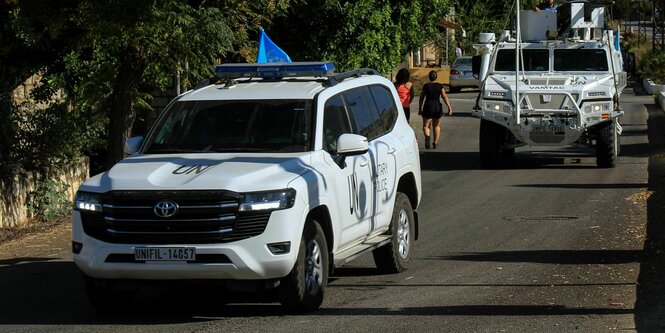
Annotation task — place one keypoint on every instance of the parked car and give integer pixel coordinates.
(461, 75)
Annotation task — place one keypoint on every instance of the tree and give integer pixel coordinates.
(353, 34)
(137, 46)
(33, 35)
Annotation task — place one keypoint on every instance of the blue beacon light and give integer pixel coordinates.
(274, 70)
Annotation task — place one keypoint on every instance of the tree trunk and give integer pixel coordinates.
(121, 115)
(7, 130)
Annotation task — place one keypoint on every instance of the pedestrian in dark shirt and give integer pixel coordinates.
(431, 110)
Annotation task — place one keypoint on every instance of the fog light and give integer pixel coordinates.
(77, 247)
(279, 248)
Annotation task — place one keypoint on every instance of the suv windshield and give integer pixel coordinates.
(238, 126)
(580, 60)
(534, 60)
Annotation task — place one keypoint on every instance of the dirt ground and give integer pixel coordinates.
(39, 238)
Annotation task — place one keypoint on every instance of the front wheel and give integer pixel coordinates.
(303, 288)
(106, 297)
(491, 141)
(607, 145)
(396, 256)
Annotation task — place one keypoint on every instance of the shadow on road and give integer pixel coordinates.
(56, 297)
(434, 160)
(650, 304)
(563, 257)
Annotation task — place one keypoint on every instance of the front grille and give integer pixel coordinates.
(203, 217)
(548, 81)
(550, 102)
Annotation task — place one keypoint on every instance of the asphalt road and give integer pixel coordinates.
(549, 244)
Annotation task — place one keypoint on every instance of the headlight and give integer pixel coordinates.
(596, 107)
(89, 202)
(274, 200)
(498, 106)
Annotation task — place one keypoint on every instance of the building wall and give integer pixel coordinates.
(15, 191)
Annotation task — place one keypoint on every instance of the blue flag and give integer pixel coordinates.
(268, 51)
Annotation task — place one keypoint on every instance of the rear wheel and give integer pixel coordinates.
(396, 256)
(492, 140)
(303, 288)
(607, 145)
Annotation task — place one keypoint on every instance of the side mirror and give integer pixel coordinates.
(476, 61)
(349, 145)
(132, 145)
(352, 144)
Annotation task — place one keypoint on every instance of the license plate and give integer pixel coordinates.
(548, 128)
(165, 253)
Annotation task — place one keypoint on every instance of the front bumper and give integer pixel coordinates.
(547, 118)
(248, 259)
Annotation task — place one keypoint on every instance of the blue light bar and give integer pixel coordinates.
(275, 70)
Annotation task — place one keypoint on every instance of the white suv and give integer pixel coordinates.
(268, 178)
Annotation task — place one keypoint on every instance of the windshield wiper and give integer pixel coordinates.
(240, 149)
(173, 150)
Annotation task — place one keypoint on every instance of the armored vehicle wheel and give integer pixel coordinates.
(607, 149)
(492, 139)
(396, 256)
(303, 288)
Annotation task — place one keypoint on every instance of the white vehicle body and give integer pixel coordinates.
(240, 214)
(567, 89)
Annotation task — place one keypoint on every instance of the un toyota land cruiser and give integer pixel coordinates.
(272, 176)
(565, 90)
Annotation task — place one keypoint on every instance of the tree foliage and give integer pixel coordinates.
(477, 17)
(33, 35)
(110, 56)
(354, 34)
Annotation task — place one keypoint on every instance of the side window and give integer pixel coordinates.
(386, 105)
(364, 116)
(335, 123)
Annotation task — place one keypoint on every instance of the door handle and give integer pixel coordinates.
(364, 163)
(392, 150)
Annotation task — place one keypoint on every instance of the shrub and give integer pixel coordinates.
(49, 200)
(652, 66)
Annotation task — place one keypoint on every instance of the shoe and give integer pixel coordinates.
(427, 141)
(434, 145)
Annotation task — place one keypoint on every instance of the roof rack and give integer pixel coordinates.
(337, 78)
(227, 73)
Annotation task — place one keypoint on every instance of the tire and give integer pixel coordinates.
(606, 145)
(492, 138)
(105, 298)
(396, 256)
(303, 289)
(508, 152)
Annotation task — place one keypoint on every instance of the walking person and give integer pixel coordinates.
(404, 90)
(545, 5)
(431, 110)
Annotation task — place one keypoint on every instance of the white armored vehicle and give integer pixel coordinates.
(565, 90)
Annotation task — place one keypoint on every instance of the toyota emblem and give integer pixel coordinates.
(165, 208)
